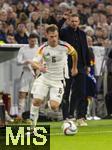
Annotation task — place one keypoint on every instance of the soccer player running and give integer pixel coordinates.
(53, 54)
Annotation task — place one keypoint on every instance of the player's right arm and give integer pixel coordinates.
(20, 60)
(20, 57)
(37, 62)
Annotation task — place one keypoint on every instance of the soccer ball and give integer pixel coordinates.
(69, 128)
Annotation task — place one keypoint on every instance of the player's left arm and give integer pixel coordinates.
(73, 53)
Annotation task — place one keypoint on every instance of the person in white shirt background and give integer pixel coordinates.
(24, 57)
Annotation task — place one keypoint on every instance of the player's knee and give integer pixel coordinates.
(22, 95)
(54, 105)
(37, 102)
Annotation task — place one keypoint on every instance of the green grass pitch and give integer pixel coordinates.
(96, 136)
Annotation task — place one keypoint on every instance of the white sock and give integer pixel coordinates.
(34, 114)
(1, 100)
(49, 105)
(21, 106)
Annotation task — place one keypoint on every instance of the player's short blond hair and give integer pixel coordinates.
(51, 28)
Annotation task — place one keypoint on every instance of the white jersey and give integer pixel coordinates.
(26, 53)
(55, 59)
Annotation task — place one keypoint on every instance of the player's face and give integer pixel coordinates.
(52, 38)
(74, 22)
(32, 42)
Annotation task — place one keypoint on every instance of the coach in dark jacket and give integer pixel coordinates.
(77, 38)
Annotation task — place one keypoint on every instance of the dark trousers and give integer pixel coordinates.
(65, 102)
(78, 101)
(108, 101)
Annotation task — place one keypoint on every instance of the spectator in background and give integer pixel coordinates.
(92, 13)
(64, 10)
(109, 9)
(1, 3)
(98, 36)
(34, 17)
(83, 16)
(11, 16)
(23, 19)
(47, 18)
(90, 21)
(21, 36)
(30, 28)
(87, 11)
(30, 8)
(101, 7)
(40, 30)
(10, 39)
(3, 15)
(2, 33)
(64, 21)
(11, 29)
(89, 31)
(14, 8)
(19, 8)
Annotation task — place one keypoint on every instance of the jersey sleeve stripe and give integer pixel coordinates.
(70, 49)
(40, 49)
